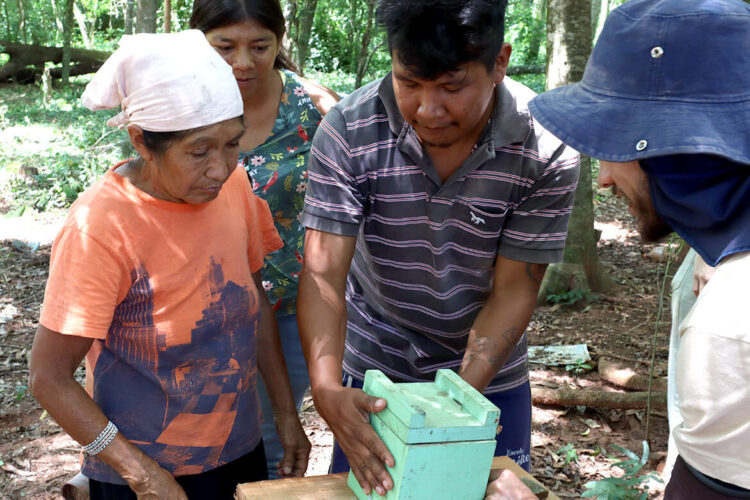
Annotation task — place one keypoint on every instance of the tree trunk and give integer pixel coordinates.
(21, 21)
(304, 28)
(292, 27)
(568, 48)
(167, 16)
(364, 55)
(625, 376)
(145, 21)
(59, 12)
(129, 16)
(81, 20)
(603, 12)
(67, 36)
(598, 399)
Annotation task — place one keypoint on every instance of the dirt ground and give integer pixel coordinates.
(570, 445)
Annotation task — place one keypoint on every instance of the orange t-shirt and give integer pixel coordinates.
(166, 290)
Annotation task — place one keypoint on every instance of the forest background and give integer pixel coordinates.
(609, 293)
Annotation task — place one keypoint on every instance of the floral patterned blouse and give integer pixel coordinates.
(278, 171)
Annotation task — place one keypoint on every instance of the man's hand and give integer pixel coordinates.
(347, 412)
(295, 443)
(505, 485)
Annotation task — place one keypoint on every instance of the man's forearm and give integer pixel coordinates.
(321, 305)
(321, 317)
(490, 345)
(501, 323)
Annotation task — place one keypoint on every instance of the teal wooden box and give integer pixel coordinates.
(441, 435)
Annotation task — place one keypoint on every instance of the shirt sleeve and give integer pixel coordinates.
(86, 282)
(537, 227)
(334, 201)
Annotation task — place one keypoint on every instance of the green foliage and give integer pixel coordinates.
(52, 151)
(340, 81)
(630, 486)
(569, 453)
(40, 22)
(335, 42)
(580, 366)
(534, 82)
(570, 297)
(181, 11)
(525, 31)
(21, 391)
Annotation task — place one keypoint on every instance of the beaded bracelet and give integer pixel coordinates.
(102, 440)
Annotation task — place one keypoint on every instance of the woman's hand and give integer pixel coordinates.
(158, 484)
(295, 443)
(505, 485)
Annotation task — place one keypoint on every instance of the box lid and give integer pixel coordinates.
(425, 412)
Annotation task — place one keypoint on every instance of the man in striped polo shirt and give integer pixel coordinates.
(434, 204)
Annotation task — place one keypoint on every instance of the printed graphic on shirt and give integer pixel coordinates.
(202, 389)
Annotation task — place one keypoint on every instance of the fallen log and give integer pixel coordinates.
(625, 376)
(26, 62)
(598, 399)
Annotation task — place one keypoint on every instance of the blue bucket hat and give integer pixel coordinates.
(666, 77)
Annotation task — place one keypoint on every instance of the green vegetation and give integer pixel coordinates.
(580, 366)
(570, 297)
(629, 486)
(52, 149)
(569, 453)
(21, 391)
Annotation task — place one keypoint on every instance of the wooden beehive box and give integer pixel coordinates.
(441, 435)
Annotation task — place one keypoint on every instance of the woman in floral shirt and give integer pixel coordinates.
(282, 112)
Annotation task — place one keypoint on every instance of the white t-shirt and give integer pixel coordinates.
(713, 376)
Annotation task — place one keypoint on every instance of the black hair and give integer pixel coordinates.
(212, 14)
(431, 37)
(159, 142)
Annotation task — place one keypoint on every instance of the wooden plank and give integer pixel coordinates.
(333, 486)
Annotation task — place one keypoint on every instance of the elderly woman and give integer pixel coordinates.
(155, 278)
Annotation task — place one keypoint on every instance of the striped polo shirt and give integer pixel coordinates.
(425, 253)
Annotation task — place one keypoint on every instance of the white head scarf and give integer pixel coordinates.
(165, 83)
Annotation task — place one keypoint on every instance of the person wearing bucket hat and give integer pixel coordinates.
(664, 103)
(155, 279)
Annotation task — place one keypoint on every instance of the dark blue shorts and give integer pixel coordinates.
(515, 417)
